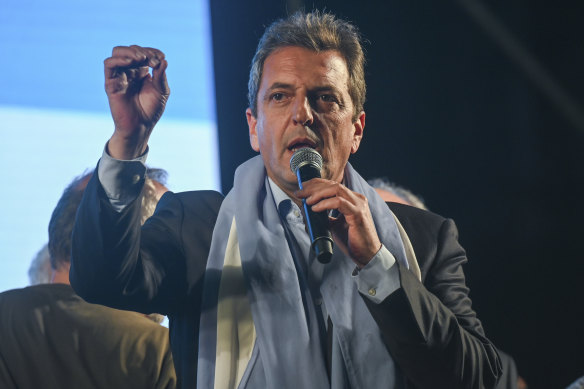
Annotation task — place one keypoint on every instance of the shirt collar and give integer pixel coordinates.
(286, 207)
(279, 194)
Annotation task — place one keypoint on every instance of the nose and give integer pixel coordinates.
(303, 112)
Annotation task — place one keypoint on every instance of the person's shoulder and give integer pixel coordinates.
(428, 232)
(415, 216)
(206, 196)
(11, 297)
(197, 199)
(423, 226)
(126, 320)
(27, 298)
(200, 205)
(33, 290)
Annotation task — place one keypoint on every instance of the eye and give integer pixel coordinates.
(327, 98)
(277, 96)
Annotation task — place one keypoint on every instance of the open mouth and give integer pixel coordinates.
(301, 143)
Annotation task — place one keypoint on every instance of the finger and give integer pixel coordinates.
(137, 53)
(137, 56)
(354, 206)
(142, 71)
(361, 247)
(126, 57)
(115, 66)
(135, 74)
(159, 80)
(132, 73)
(313, 186)
(117, 84)
(154, 56)
(339, 230)
(316, 191)
(343, 205)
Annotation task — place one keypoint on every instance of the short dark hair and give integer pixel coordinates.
(318, 31)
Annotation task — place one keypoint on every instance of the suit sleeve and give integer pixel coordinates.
(118, 263)
(431, 330)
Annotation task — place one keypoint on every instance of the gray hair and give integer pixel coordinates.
(39, 271)
(318, 31)
(63, 220)
(150, 197)
(401, 192)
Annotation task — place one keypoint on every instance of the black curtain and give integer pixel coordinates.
(456, 116)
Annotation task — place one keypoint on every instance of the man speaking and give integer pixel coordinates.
(249, 304)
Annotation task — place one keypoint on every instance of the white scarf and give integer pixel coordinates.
(258, 326)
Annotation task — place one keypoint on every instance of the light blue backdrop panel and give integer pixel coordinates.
(54, 116)
(53, 51)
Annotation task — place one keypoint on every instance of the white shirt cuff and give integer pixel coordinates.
(121, 180)
(379, 278)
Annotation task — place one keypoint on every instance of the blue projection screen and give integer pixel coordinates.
(54, 116)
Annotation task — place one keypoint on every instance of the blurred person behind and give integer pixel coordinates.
(578, 384)
(390, 192)
(51, 338)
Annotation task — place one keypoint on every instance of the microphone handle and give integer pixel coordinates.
(317, 222)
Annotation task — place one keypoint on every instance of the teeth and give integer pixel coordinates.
(294, 148)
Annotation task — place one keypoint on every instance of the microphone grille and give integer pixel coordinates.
(305, 156)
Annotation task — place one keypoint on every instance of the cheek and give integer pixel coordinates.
(266, 140)
(262, 132)
(341, 125)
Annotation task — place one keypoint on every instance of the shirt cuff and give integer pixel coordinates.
(379, 278)
(121, 180)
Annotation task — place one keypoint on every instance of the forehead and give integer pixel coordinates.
(298, 65)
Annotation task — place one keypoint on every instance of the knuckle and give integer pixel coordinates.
(118, 49)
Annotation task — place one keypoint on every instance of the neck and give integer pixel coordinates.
(61, 275)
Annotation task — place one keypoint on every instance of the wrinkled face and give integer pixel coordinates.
(303, 101)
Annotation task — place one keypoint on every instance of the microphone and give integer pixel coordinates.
(306, 164)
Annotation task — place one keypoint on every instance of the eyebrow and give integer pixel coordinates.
(279, 85)
(325, 88)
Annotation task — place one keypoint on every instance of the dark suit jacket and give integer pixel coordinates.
(50, 338)
(429, 328)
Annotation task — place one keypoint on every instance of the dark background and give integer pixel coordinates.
(480, 113)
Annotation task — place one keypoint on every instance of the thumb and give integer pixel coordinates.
(339, 230)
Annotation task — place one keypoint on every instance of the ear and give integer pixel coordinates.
(359, 126)
(252, 122)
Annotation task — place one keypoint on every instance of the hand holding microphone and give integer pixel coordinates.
(306, 164)
(354, 229)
